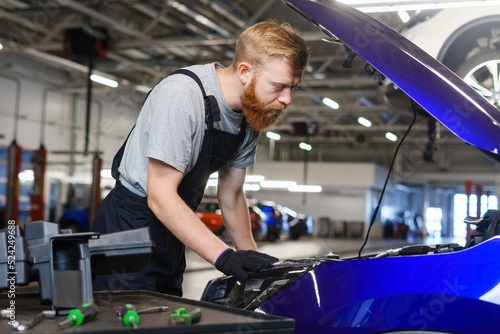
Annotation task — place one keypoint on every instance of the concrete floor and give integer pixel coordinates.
(199, 272)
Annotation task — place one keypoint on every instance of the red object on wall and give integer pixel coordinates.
(39, 163)
(13, 185)
(95, 188)
(468, 188)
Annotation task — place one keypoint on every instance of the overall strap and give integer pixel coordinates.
(212, 114)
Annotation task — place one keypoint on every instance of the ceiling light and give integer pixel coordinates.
(143, 88)
(273, 135)
(104, 81)
(330, 103)
(395, 6)
(106, 172)
(254, 178)
(1, 46)
(365, 122)
(305, 146)
(403, 15)
(26, 176)
(305, 188)
(278, 184)
(251, 187)
(391, 136)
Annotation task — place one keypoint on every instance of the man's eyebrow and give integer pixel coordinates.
(284, 85)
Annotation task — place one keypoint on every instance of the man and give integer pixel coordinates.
(189, 127)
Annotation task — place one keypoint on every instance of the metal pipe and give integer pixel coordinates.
(17, 102)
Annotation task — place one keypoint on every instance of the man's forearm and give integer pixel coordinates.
(237, 222)
(188, 228)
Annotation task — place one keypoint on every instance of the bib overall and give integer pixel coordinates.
(124, 210)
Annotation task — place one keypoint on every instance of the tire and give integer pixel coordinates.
(478, 70)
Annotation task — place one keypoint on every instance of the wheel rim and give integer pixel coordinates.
(485, 79)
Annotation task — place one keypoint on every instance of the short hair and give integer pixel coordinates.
(268, 38)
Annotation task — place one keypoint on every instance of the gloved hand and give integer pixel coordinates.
(240, 262)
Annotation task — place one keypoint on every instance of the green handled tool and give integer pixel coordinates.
(129, 316)
(78, 316)
(181, 316)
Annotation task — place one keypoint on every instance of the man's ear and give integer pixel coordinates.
(245, 72)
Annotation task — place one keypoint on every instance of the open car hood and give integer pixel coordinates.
(429, 83)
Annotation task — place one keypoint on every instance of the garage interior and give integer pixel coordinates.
(59, 130)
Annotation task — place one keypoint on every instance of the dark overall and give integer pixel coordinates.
(123, 210)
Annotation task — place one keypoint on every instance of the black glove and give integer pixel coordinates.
(239, 263)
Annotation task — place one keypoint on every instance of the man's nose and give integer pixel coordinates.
(285, 96)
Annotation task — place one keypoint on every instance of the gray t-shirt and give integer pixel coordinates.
(171, 126)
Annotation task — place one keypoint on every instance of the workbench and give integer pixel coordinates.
(214, 319)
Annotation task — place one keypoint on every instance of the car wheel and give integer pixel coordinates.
(482, 72)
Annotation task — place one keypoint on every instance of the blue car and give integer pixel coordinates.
(443, 288)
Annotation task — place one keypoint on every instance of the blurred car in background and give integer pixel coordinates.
(297, 224)
(257, 222)
(280, 222)
(210, 214)
(273, 219)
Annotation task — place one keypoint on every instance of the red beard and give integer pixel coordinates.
(258, 115)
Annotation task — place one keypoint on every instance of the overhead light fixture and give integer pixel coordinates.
(254, 178)
(305, 146)
(143, 88)
(273, 135)
(330, 103)
(278, 184)
(365, 122)
(1, 46)
(106, 173)
(305, 188)
(391, 136)
(26, 176)
(395, 6)
(403, 15)
(104, 81)
(251, 187)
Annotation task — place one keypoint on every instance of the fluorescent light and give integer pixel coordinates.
(305, 146)
(254, 178)
(395, 6)
(303, 188)
(251, 187)
(143, 88)
(104, 81)
(330, 103)
(273, 135)
(277, 184)
(106, 173)
(26, 176)
(248, 178)
(403, 15)
(365, 122)
(391, 136)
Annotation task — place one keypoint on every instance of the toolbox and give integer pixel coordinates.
(41, 252)
(214, 318)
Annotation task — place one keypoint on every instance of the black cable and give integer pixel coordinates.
(374, 215)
